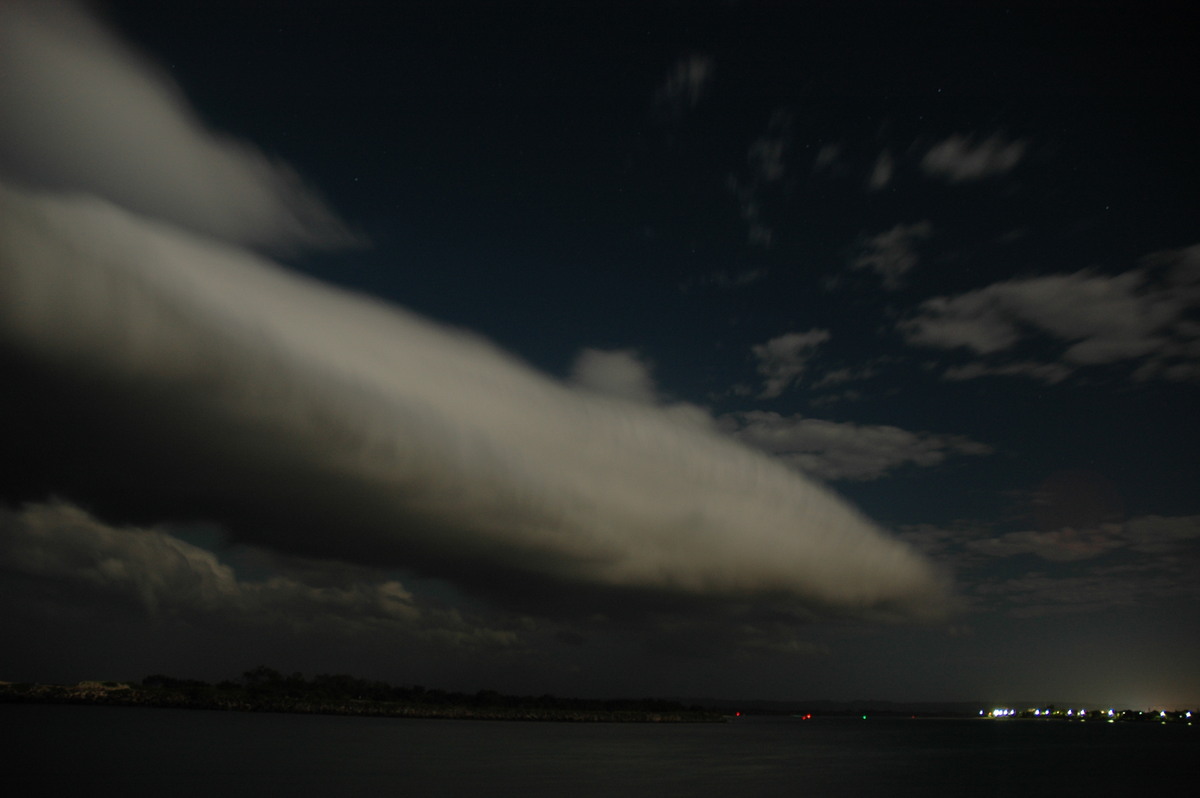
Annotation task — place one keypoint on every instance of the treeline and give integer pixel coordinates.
(267, 688)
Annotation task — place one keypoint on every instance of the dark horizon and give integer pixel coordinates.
(263, 677)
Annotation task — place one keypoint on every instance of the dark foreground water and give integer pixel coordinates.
(71, 750)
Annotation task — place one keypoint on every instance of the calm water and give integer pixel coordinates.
(88, 750)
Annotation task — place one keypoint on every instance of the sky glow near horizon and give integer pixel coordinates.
(229, 423)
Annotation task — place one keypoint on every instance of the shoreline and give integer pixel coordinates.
(121, 694)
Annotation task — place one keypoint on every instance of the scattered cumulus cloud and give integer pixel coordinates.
(783, 360)
(620, 373)
(960, 159)
(890, 254)
(833, 450)
(1073, 569)
(1062, 545)
(85, 113)
(1142, 315)
(1147, 535)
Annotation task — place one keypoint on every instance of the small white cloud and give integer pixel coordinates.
(620, 373)
(1097, 319)
(958, 159)
(846, 451)
(782, 360)
(890, 254)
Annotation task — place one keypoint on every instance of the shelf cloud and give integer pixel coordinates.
(83, 112)
(166, 372)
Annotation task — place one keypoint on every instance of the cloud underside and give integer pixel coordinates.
(1140, 562)
(313, 420)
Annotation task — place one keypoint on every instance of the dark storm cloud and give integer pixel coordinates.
(164, 373)
(302, 409)
(82, 112)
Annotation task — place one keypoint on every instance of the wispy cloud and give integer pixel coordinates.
(827, 157)
(960, 159)
(890, 254)
(83, 112)
(881, 173)
(684, 85)
(765, 165)
(1139, 316)
(1146, 535)
(834, 450)
(1049, 373)
(1139, 562)
(783, 360)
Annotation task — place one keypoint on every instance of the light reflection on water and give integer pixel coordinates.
(178, 752)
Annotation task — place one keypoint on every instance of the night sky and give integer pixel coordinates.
(753, 350)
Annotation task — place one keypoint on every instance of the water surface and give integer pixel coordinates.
(144, 751)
